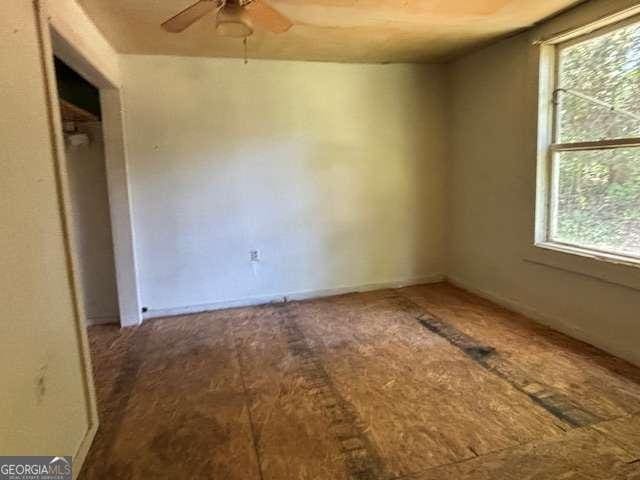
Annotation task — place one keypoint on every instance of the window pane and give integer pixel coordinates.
(596, 200)
(605, 69)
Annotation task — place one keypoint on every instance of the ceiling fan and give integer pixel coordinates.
(234, 18)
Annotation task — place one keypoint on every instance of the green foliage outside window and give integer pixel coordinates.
(597, 192)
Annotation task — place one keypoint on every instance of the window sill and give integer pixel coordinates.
(607, 267)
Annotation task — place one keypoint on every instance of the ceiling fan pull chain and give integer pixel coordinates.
(246, 58)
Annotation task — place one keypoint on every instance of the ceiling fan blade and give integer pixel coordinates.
(267, 17)
(191, 14)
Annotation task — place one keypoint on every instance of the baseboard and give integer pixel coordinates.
(289, 296)
(550, 321)
(82, 451)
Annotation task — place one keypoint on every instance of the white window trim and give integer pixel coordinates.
(615, 268)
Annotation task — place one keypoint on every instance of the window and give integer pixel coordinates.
(592, 180)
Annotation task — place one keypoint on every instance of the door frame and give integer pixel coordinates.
(60, 39)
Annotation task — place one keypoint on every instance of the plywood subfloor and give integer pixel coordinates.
(426, 382)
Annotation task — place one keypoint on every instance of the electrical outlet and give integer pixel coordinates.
(254, 255)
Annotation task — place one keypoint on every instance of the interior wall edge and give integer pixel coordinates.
(121, 208)
(292, 296)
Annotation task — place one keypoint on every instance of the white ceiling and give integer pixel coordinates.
(328, 30)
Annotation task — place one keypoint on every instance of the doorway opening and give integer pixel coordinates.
(81, 119)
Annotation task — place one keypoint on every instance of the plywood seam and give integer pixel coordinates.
(248, 401)
(614, 440)
(363, 462)
(486, 356)
(519, 446)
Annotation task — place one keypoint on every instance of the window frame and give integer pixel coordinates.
(548, 135)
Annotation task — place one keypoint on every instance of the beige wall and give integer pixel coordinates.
(335, 173)
(92, 225)
(492, 199)
(46, 405)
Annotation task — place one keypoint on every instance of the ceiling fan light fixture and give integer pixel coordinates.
(234, 29)
(235, 18)
(233, 22)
